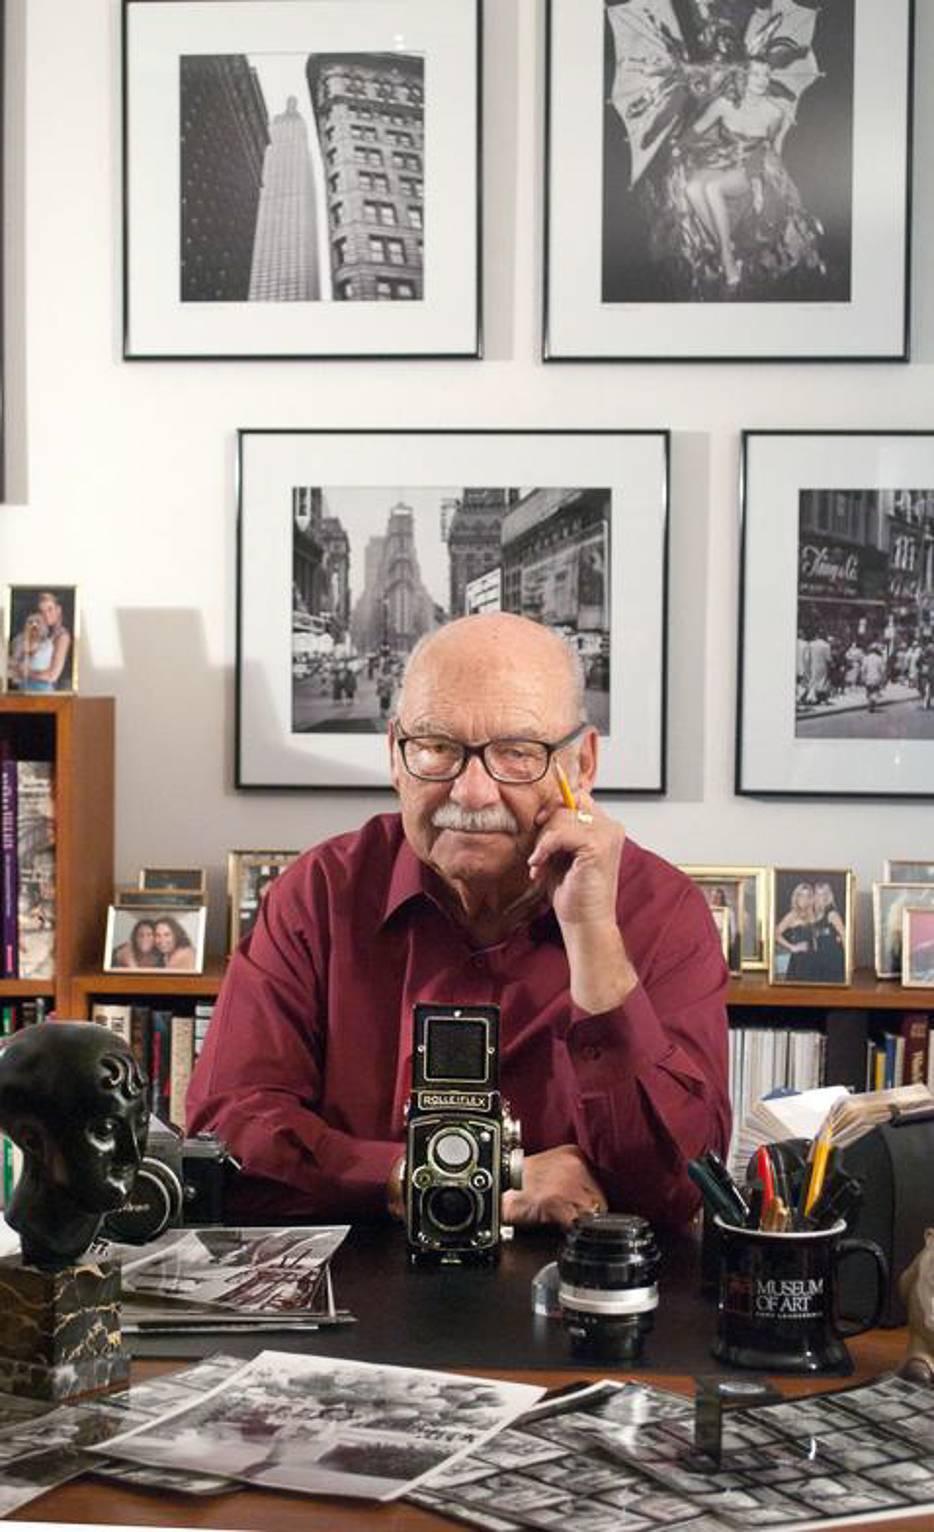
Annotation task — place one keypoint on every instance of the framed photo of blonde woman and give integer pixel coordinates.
(811, 930)
(41, 623)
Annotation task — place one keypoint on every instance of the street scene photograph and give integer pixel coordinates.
(864, 657)
(301, 177)
(374, 570)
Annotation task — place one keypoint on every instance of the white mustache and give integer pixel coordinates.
(496, 819)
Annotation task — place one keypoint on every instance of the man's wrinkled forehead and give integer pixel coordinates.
(447, 687)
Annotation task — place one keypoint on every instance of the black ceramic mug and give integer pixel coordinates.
(777, 1302)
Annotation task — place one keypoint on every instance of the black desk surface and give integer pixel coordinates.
(465, 1317)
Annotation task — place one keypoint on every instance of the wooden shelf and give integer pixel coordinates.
(24, 989)
(86, 987)
(866, 993)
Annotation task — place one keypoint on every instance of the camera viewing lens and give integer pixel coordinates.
(449, 1208)
(452, 1150)
(608, 1284)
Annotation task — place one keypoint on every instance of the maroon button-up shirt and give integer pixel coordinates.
(306, 1067)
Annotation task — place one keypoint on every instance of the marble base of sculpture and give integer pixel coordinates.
(60, 1330)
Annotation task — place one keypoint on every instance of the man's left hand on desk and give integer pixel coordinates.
(557, 1186)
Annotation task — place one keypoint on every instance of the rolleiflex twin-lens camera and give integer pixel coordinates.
(180, 1181)
(462, 1146)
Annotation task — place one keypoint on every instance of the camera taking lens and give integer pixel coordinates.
(608, 1284)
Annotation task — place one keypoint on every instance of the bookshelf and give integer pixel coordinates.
(77, 735)
(866, 993)
(90, 986)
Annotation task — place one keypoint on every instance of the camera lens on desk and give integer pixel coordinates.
(608, 1284)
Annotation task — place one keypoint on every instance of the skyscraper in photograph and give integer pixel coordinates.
(370, 114)
(285, 254)
(223, 138)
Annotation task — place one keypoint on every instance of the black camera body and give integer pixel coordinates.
(180, 1181)
(462, 1146)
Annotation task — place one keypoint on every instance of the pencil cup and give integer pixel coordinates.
(777, 1301)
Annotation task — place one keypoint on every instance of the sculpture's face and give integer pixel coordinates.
(100, 1149)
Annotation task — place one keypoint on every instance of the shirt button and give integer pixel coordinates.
(591, 1051)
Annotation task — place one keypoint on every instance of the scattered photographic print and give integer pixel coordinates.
(888, 906)
(318, 1425)
(192, 879)
(811, 935)
(155, 938)
(804, 1462)
(296, 173)
(839, 530)
(250, 874)
(41, 638)
(918, 946)
(908, 872)
(713, 179)
(347, 559)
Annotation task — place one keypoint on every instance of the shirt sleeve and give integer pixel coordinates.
(650, 1076)
(259, 1076)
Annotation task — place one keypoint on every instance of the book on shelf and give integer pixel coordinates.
(160, 1062)
(181, 1064)
(900, 1055)
(9, 877)
(116, 1017)
(35, 853)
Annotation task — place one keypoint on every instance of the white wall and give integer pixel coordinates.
(122, 475)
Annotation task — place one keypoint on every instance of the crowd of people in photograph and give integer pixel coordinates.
(835, 664)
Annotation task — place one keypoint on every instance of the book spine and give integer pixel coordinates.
(160, 1063)
(9, 874)
(915, 1028)
(115, 1017)
(140, 1036)
(35, 844)
(181, 1064)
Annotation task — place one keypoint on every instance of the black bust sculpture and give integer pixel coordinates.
(74, 1099)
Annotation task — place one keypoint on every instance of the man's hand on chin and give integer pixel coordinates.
(557, 1185)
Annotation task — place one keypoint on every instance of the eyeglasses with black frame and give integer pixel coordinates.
(515, 761)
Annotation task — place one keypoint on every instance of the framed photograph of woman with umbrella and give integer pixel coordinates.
(727, 179)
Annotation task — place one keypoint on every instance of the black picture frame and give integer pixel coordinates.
(380, 149)
(836, 615)
(407, 488)
(691, 215)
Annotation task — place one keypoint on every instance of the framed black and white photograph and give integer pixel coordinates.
(41, 638)
(836, 645)
(155, 939)
(302, 178)
(727, 180)
(918, 947)
(250, 874)
(900, 870)
(354, 544)
(192, 879)
(811, 930)
(752, 904)
(889, 901)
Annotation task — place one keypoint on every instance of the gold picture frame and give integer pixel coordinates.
(755, 904)
(249, 873)
(889, 900)
(918, 947)
(811, 926)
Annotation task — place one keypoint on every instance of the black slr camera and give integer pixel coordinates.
(180, 1181)
(462, 1146)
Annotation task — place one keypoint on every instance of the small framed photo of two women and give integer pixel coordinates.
(41, 632)
(811, 931)
(155, 939)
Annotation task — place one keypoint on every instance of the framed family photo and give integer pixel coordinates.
(155, 939)
(811, 929)
(249, 876)
(898, 870)
(41, 637)
(727, 180)
(193, 880)
(354, 544)
(836, 640)
(889, 902)
(750, 906)
(301, 178)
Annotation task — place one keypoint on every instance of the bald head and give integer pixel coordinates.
(496, 652)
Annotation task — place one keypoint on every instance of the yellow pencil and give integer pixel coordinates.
(818, 1169)
(570, 802)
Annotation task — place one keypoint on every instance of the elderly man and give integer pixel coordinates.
(486, 889)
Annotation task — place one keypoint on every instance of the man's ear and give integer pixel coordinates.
(393, 756)
(587, 759)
